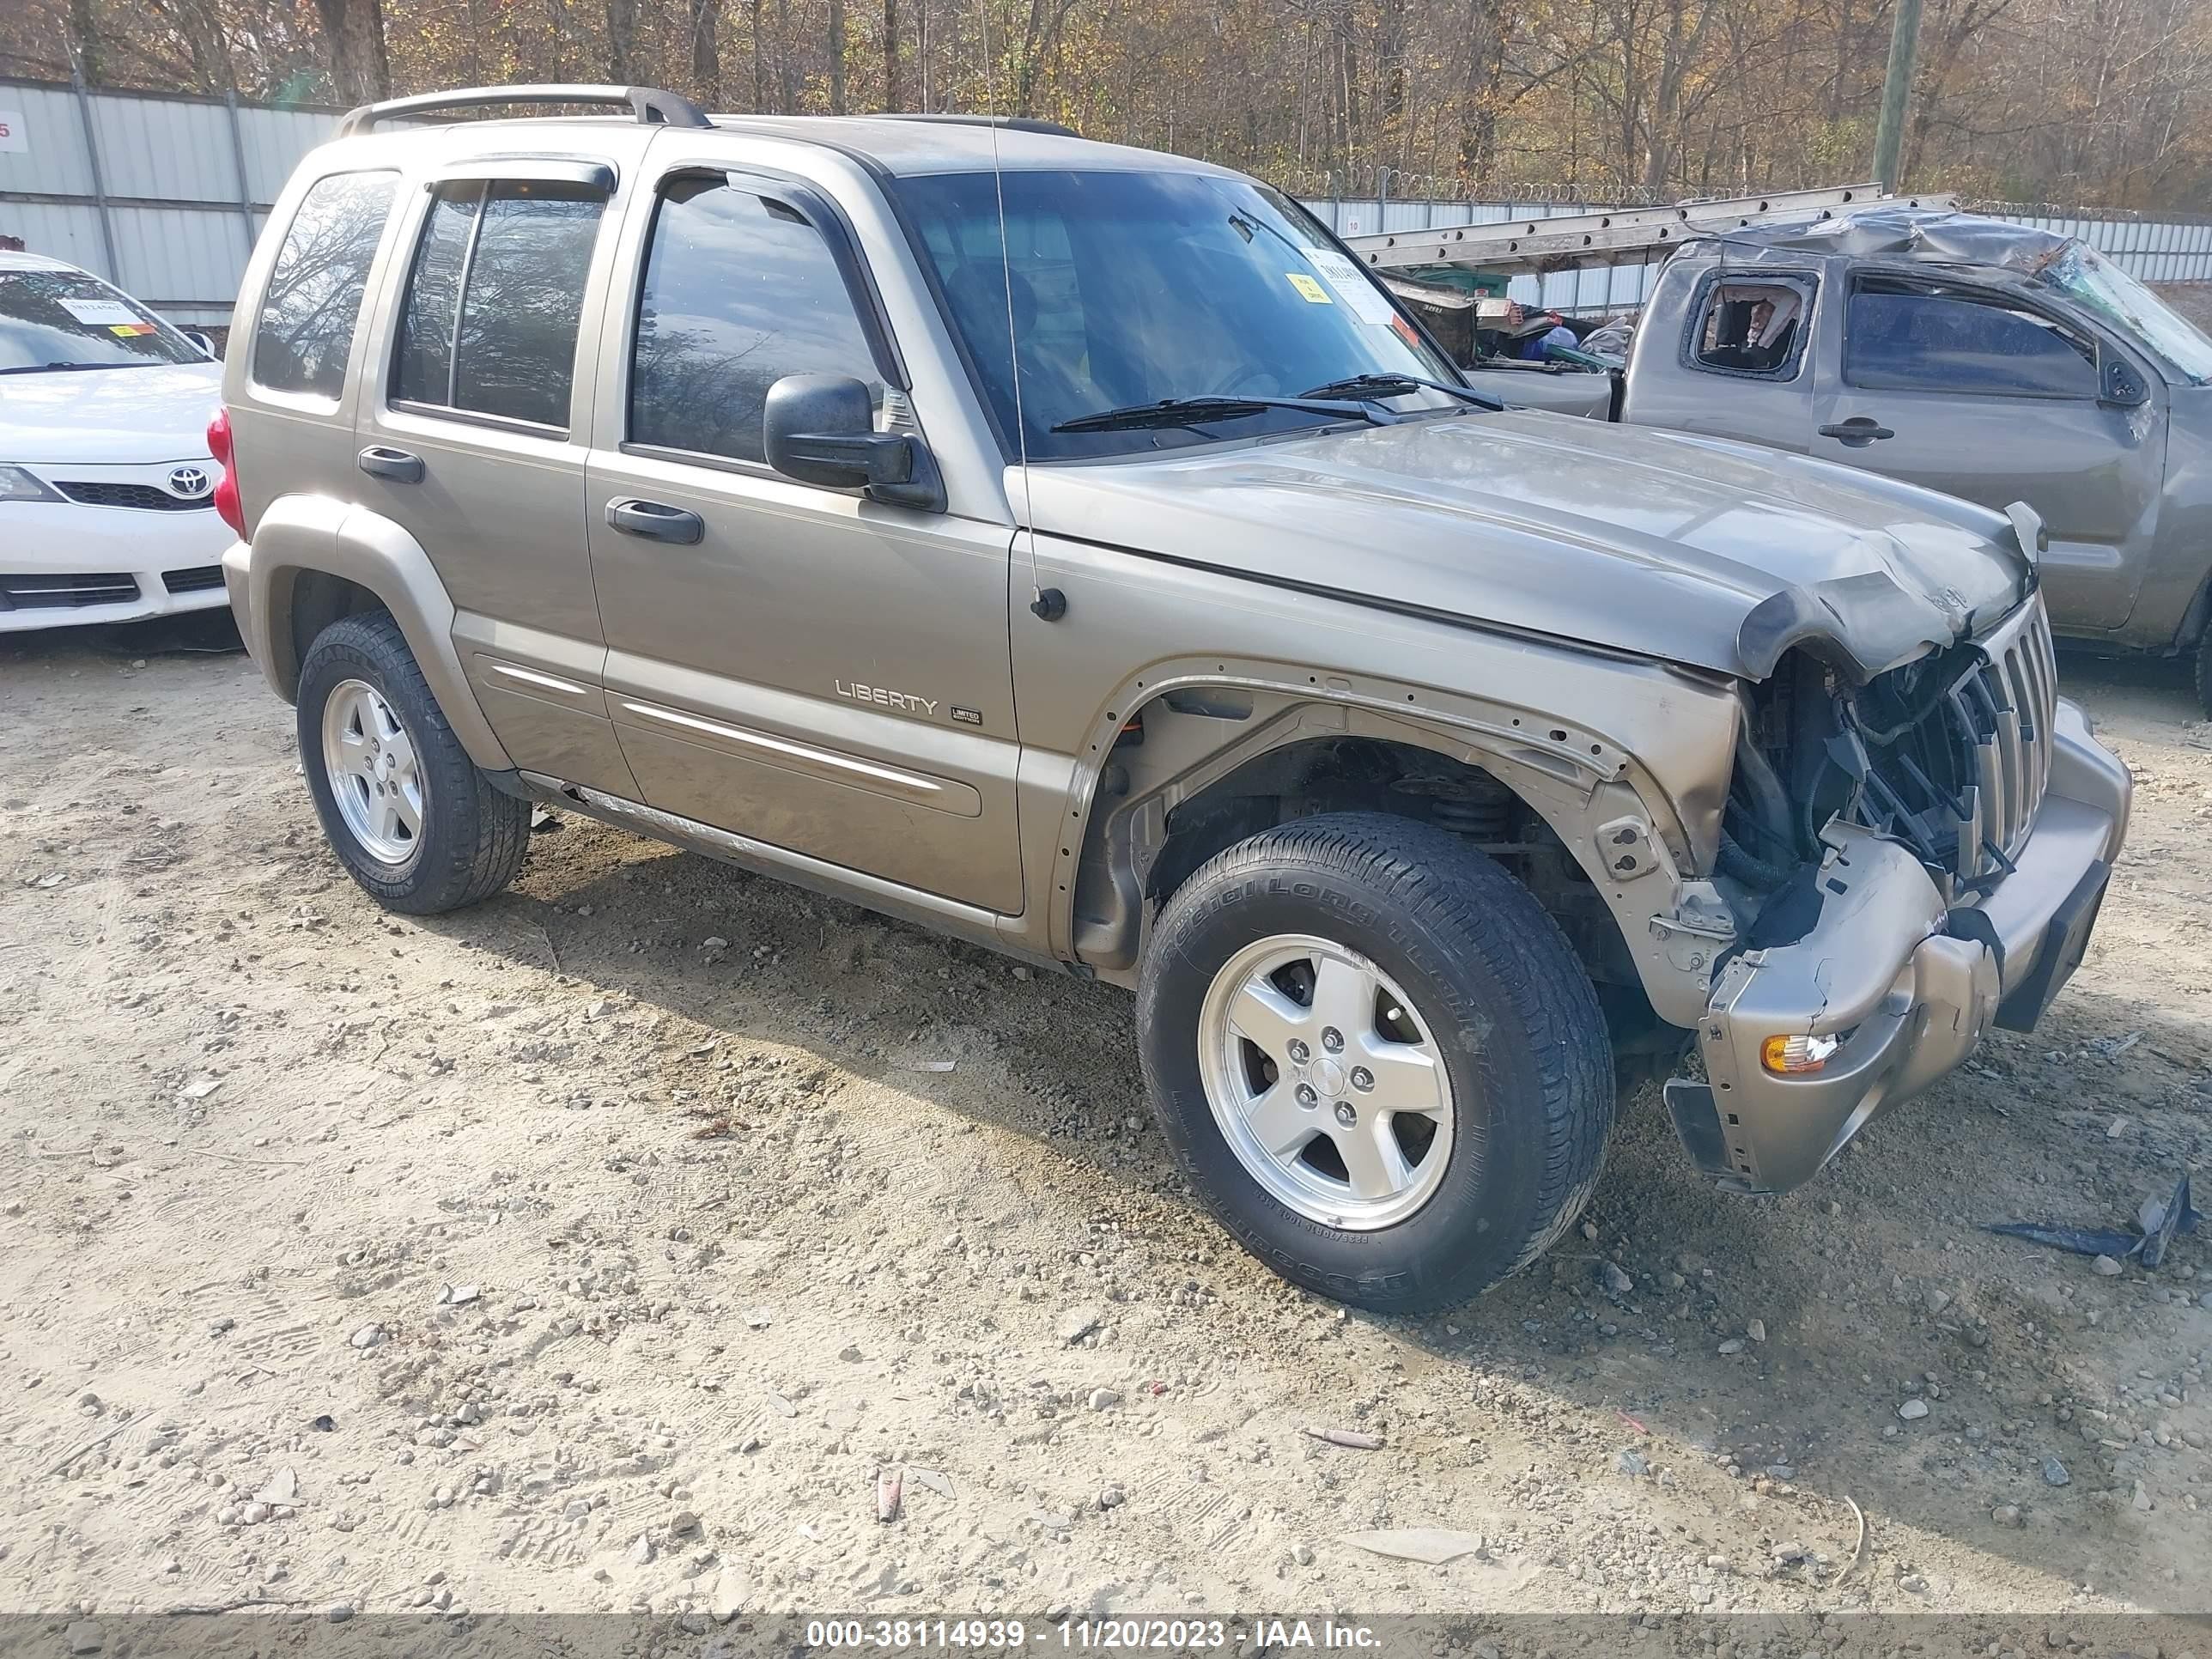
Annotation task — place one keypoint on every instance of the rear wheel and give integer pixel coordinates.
(1378, 1057)
(407, 811)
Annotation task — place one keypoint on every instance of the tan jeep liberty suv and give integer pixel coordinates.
(1070, 548)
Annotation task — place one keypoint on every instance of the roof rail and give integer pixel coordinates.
(1008, 123)
(649, 104)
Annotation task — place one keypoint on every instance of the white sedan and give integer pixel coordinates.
(107, 485)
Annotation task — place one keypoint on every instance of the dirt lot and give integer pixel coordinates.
(597, 1249)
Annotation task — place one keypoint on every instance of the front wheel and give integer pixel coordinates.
(1379, 1059)
(406, 811)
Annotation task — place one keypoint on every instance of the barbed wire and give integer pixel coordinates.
(2077, 211)
(1355, 184)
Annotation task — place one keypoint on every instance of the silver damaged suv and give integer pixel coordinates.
(1070, 548)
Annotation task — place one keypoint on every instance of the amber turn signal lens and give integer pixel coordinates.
(1793, 1056)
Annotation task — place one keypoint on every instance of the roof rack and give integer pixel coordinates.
(1618, 235)
(649, 105)
(1005, 123)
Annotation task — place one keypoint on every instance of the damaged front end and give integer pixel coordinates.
(1920, 854)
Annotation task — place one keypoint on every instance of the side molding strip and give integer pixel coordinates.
(531, 676)
(924, 790)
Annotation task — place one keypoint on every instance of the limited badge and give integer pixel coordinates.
(1314, 293)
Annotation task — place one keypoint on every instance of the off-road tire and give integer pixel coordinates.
(473, 837)
(1494, 983)
(2204, 670)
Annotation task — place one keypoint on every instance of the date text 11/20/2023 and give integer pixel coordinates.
(1092, 1635)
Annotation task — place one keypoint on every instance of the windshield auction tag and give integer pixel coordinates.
(100, 313)
(1314, 293)
(1351, 286)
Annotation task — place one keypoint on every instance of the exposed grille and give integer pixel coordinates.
(65, 593)
(1958, 746)
(197, 580)
(147, 498)
(2009, 706)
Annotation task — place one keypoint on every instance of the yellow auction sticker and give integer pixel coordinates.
(1314, 292)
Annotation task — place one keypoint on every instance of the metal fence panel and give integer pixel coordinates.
(65, 230)
(167, 198)
(179, 260)
(53, 159)
(274, 140)
(164, 150)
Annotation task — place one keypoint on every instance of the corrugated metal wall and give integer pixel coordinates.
(2152, 250)
(165, 199)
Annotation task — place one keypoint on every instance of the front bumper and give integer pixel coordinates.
(1909, 983)
(63, 563)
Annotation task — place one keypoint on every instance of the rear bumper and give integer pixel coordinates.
(237, 564)
(1908, 984)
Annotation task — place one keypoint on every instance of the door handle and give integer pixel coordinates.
(1858, 432)
(397, 464)
(655, 520)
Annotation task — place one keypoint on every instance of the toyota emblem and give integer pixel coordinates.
(189, 481)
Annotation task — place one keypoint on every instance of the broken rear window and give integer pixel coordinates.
(1753, 326)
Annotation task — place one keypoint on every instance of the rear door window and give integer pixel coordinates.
(1907, 338)
(739, 291)
(493, 302)
(305, 331)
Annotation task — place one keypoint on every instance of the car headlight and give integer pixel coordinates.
(17, 485)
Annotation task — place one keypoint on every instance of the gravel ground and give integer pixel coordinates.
(2192, 300)
(603, 1247)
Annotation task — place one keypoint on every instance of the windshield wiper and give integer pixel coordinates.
(46, 369)
(1393, 386)
(1198, 411)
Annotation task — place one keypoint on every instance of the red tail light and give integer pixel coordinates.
(227, 507)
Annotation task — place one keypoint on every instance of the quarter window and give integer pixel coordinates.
(493, 302)
(739, 291)
(1908, 338)
(308, 310)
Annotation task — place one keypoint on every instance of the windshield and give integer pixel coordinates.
(2089, 278)
(1130, 287)
(65, 320)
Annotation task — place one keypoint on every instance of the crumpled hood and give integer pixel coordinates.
(117, 416)
(1694, 550)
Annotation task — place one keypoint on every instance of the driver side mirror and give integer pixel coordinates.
(821, 429)
(2118, 381)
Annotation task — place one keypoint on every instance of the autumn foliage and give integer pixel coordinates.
(2082, 101)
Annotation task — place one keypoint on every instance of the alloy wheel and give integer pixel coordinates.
(1325, 1082)
(370, 763)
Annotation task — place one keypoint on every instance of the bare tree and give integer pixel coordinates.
(353, 30)
(892, 97)
(707, 50)
(2092, 100)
